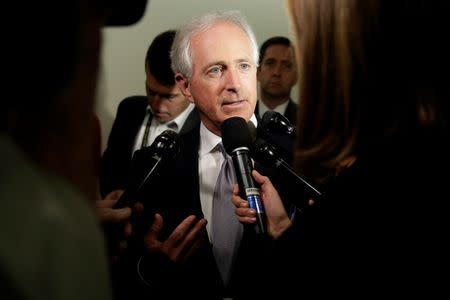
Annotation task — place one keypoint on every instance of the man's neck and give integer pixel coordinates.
(273, 102)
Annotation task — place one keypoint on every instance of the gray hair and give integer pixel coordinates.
(180, 53)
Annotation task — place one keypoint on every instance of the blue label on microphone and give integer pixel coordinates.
(254, 199)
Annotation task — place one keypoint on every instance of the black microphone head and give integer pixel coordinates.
(235, 134)
(276, 123)
(167, 144)
(265, 154)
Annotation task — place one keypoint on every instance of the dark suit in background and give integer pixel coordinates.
(116, 159)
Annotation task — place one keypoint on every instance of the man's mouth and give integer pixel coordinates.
(233, 103)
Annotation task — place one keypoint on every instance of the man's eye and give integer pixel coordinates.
(245, 66)
(215, 71)
(269, 62)
(288, 65)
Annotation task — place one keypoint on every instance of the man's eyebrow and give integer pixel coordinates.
(215, 63)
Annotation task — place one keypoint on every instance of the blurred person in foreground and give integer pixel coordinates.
(373, 129)
(51, 246)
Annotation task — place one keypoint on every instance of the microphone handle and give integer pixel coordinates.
(247, 187)
(286, 166)
(128, 198)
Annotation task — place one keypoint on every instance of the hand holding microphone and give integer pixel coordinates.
(237, 140)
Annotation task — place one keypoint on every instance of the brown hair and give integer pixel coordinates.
(371, 71)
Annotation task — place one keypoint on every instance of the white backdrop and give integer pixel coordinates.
(124, 49)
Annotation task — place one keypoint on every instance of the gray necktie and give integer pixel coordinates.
(227, 231)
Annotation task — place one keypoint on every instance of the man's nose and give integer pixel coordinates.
(233, 80)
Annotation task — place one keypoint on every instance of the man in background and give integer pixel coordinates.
(277, 74)
(140, 119)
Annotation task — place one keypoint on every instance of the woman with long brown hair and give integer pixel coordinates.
(372, 128)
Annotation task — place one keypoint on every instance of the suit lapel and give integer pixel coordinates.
(191, 122)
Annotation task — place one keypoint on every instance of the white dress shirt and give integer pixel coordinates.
(156, 127)
(262, 108)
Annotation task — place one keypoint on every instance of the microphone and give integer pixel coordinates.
(266, 155)
(276, 129)
(165, 147)
(237, 140)
(275, 123)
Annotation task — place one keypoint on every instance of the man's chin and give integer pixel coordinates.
(162, 119)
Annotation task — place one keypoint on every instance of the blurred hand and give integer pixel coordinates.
(184, 240)
(107, 214)
(116, 222)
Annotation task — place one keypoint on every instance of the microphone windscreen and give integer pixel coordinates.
(267, 118)
(235, 134)
(275, 123)
(167, 144)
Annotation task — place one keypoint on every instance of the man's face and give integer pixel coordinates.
(166, 102)
(277, 73)
(223, 82)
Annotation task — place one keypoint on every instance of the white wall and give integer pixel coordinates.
(124, 48)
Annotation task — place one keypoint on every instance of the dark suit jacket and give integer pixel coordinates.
(174, 194)
(116, 159)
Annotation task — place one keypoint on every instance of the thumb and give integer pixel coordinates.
(121, 214)
(258, 177)
(109, 215)
(156, 227)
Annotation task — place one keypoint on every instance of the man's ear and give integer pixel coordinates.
(183, 85)
(258, 70)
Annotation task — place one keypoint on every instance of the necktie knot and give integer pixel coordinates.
(172, 125)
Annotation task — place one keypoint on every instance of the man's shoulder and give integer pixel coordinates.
(133, 102)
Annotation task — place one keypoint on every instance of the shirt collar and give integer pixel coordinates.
(209, 141)
(180, 119)
(279, 109)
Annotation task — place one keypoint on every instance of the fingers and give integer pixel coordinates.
(244, 213)
(113, 196)
(197, 244)
(235, 189)
(151, 237)
(138, 208)
(236, 199)
(179, 233)
(110, 215)
(181, 243)
(105, 203)
(192, 241)
(128, 230)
